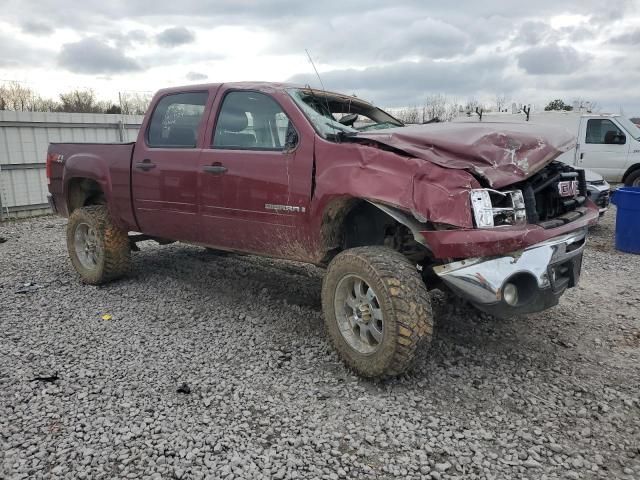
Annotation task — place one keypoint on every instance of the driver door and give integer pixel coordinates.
(604, 148)
(250, 177)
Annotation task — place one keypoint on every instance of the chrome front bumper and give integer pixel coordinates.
(541, 274)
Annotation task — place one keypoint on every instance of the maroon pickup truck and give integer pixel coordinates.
(479, 210)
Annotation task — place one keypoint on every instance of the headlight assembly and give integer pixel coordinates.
(492, 208)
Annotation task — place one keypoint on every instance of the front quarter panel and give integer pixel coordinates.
(430, 192)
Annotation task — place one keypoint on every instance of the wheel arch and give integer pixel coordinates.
(349, 222)
(82, 192)
(633, 168)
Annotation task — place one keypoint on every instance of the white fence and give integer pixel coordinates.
(24, 139)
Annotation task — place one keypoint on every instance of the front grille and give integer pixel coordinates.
(555, 195)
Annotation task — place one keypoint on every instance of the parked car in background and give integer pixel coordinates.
(483, 211)
(598, 190)
(607, 144)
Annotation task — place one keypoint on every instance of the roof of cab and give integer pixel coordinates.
(263, 86)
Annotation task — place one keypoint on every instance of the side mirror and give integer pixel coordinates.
(349, 119)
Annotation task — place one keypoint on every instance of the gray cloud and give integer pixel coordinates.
(91, 55)
(127, 39)
(35, 27)
(195, 76)
(175, 36)
(381, 35)
(407, 83)
(627, 38)
(16, 53)
(532, 32)
(390, 52)
(551, 59)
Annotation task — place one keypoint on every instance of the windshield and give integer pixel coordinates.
(332, 113)
(630, 127)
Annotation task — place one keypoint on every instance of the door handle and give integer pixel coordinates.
(215, 169)
(145, 165)
(581, 155)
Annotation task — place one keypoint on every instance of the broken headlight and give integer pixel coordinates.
(492, 208)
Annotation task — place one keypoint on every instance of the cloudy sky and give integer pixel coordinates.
(392, 53)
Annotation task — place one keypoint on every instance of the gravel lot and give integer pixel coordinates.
(553, 395)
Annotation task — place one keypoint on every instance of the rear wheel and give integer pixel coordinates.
(98, 249)
(376, 310)
(633, 180)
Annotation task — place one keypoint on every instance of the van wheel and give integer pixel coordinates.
(633, 180)
(99, 250)
(376, 309)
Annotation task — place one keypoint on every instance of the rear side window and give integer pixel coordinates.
(252, 121)
(176, 119)
(604, 131)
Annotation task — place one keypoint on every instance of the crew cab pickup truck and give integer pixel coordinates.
(482, 211)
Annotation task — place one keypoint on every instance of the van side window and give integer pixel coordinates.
(176, 119)
(604, 131)
(251, 121)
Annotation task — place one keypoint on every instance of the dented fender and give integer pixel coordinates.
(430, 192)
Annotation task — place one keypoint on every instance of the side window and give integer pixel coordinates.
(604, 131)
(252, 121)
(175, 120)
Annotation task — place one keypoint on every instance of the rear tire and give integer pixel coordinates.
(376, 309)
(633, 180)
(99, 250)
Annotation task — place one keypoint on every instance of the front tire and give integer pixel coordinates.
(633, 180)
(99, 250)
(376, 309)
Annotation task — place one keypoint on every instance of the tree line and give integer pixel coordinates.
(16, 97)
(441, 108)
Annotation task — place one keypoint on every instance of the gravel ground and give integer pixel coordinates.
(552, 395)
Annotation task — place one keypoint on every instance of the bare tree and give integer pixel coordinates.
(436, 107)
(502, 101)
(583, 104)
(134, 103)
(16, 97)
(80, 101)
(471, 105)
(408, 115)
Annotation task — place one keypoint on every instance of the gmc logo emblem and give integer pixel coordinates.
(568, 188)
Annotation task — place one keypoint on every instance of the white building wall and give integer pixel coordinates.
(24, 140)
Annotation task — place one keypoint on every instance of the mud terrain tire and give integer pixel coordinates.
(399, 296)
(99, 250)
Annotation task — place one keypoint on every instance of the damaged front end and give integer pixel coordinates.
(526, 247)
(502, 224)
(508, 247)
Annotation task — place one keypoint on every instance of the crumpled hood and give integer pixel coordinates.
(500, 153)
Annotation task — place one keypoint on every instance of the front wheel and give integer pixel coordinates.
(633, 180)
(376, 309)
(98, 249)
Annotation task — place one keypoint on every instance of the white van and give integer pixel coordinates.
(608, 144)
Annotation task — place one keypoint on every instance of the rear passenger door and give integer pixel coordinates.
(247, 202)
(164, 173)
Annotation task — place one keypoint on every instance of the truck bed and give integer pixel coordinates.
(110, 161)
